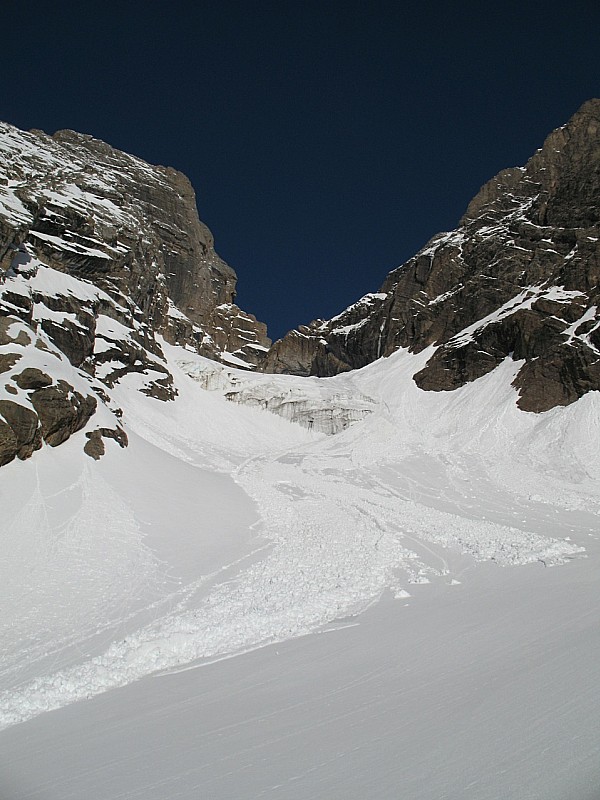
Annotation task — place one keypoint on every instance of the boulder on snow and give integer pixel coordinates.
(95, 447)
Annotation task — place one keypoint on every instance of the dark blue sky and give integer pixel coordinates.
(327, 141)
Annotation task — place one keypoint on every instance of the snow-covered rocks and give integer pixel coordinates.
(518, 278)
(99, 253)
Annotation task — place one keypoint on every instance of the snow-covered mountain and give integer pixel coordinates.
(446, 542)
(519, 277)
(102, 254)
(99, 254)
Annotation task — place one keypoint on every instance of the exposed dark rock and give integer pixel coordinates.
(32, 378)
(26, 436)
(71, 339)
(99, 253)
(161, 389)
(95, 447)
(8, 360)
(8, 443)
(117, 434)
(22, 338)
(102, 215)
(557, 379)
(61, 411)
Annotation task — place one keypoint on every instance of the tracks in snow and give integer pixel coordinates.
(336, 539)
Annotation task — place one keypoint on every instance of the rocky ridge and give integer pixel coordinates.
(518, 278)
(101, 255)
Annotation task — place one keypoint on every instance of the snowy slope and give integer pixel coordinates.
(224, 527)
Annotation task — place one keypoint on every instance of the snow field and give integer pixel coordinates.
(382, 505)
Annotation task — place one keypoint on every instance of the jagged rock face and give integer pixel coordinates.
(99, 253)
(99, 214)
(519, 277)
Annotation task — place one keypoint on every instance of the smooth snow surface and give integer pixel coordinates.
(224, 528)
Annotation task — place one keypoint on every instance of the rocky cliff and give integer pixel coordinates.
(101, 255)
(518, 278)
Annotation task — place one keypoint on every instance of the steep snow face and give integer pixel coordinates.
(422, 486)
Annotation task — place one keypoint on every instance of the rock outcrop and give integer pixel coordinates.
(101, 254)
(518, 278)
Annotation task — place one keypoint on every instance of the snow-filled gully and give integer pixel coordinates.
(337, 529)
